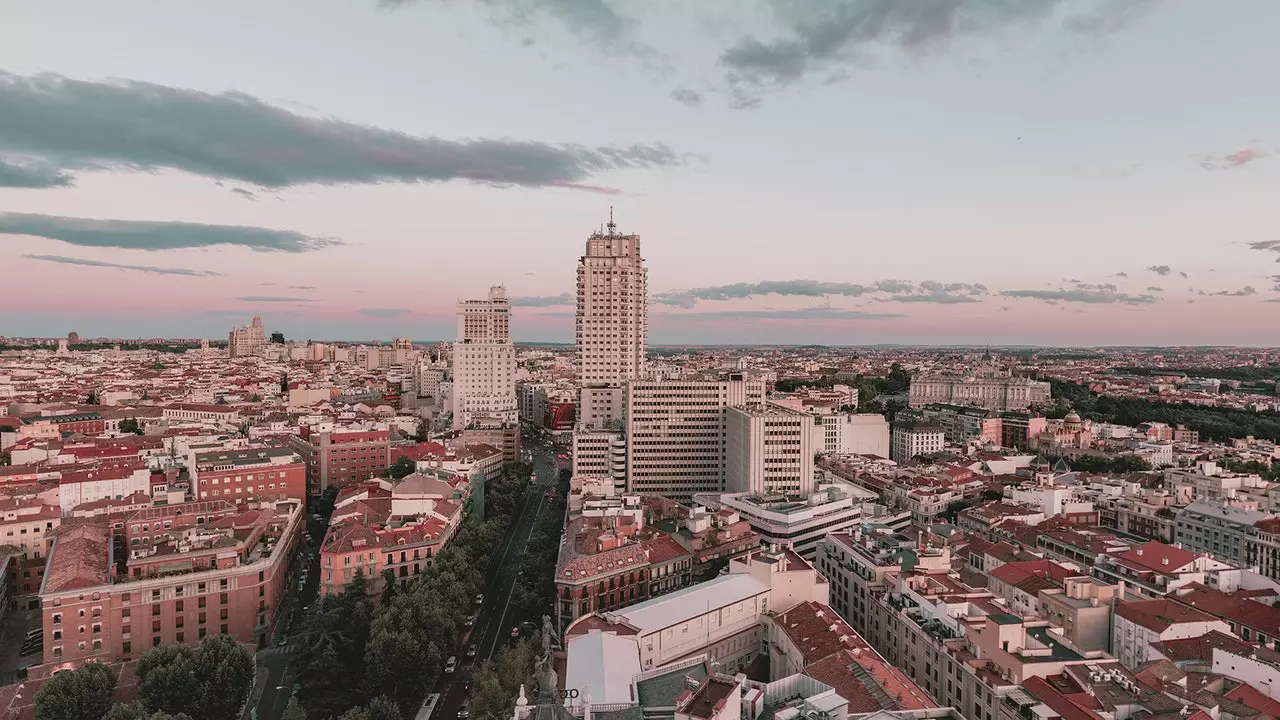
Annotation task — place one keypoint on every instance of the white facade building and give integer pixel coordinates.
(484, 361)
(676, 433)
(1000, 392)
(611, 323)
(912, 439)
(797, 524)
(769, 449)
(853, 434)
(600, 453)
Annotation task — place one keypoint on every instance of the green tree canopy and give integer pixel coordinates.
(402, 467)
(138, 711)
(77, 694)
(209, 682)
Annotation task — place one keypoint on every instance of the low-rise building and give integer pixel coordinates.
(1141, 622)
(236, 475)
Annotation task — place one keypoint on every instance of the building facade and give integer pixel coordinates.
(996, 393)
(769, 449)
(239, 475)
(484, 361)
(913, 438)
(339, 456)
(247, 340)
(676, 433)
(611, 326)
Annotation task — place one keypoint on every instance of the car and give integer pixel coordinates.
(471, 620)
(515, 632)
(451, 664)
(283, 641)
(471, 651)
(480, 599)
(464, 712)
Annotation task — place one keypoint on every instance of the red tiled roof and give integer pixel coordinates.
(1158, 557)
(1201, 648)
(1160, 614)
(838, 671)
(79, 558)
(1254, 698)
(1040, 689)
(1250, 613)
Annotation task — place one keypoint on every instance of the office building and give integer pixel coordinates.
(247, 340)
(600, 453)
(800, 523)
(484, 361)
(676, 433)
(769, 449)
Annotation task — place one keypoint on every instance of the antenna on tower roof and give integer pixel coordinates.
(612, 227)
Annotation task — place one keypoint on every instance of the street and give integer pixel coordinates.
(493, 626)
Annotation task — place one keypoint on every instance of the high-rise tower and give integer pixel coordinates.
(484, 361)
(611, 323)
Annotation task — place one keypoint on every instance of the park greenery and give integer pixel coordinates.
(873, 391)
(130, 425)
(1243, 373)
(1213, 423)
(175, 682)
(357, 658)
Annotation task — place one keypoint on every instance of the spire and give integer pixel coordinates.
(612, 226)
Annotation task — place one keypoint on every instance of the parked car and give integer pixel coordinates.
(480, 599)
(451, 664)
(471, 651)
(464, 712)
(471, 620)
(515, 632)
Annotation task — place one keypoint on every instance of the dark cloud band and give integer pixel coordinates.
(64, 125)
(147, 235)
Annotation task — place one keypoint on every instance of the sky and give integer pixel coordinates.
(844, 172)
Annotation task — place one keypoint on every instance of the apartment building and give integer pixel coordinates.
(109, 480)
(379, 527)
(676, 433)
(961, 423)
(995, 392)
(611, 324)
(203, 412)
(912, 438)
(769, 450)
(484, 362)
(238, 475)
(27, 525)
(1139, 623)
(335, 455)
(190, 570)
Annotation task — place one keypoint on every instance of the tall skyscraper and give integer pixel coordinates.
(484, 361)
(611, 323)
(247, 340)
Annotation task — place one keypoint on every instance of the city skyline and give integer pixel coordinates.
(1063, 173)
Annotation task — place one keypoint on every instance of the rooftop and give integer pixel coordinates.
(681, 605)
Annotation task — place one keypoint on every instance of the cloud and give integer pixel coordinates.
(1122, 274)
(32, 175)
(1160, 270)
(1092, 297)
(1267, 246)
(273, 299)
(1154, 288)
(1182, 274)
(66, 125)
(1239, 158)
(1106, 287)
(135, 268)
(302, 287)
(245, 194)
(384, 312)
(944, 294)
(1276, 279)
(149, 235)
(814, 313)
(822, 37)
(543, 300)
(801, 288)
(1245, 291)
(687, 97)
(593, 21)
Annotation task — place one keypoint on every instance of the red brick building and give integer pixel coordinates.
(238, 475)
(87, 423)
(173, 575)
(338, 457)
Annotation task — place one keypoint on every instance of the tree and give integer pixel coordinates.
(92, 399)
(130, 425)
(167, 680)
(284, 383)
(138, 711)
(294, 711)
(225, 670)
(77, 694)
(388, 586)
(402, 467)
(209, 682)
(384, 708)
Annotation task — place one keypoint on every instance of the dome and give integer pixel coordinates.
(1072, 417)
